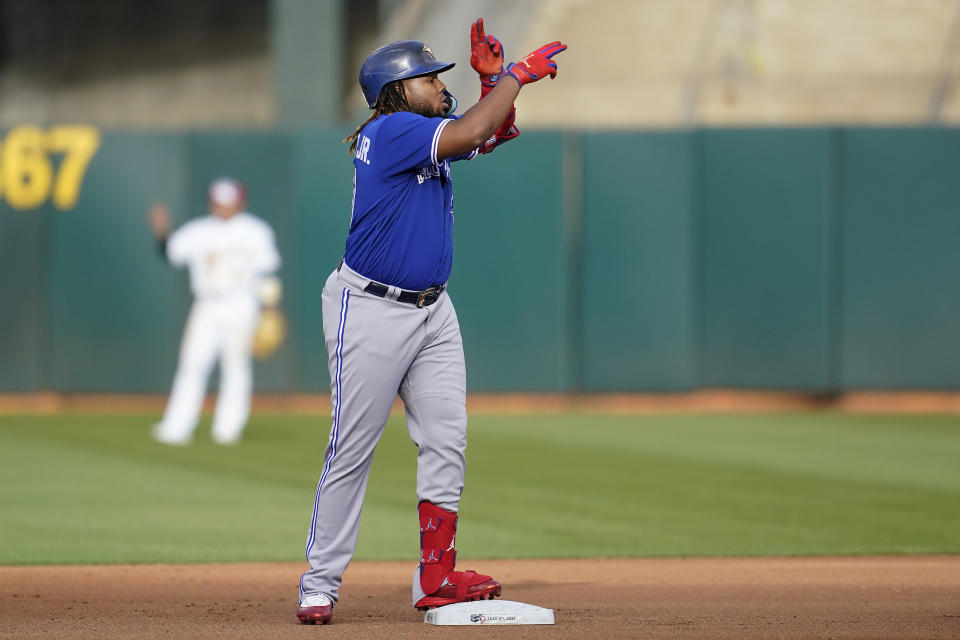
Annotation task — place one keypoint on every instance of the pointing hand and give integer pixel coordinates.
(536, 65)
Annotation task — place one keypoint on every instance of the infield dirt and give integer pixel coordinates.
(870, 597)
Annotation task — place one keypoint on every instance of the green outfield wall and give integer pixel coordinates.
(763, 243)
(817, 260)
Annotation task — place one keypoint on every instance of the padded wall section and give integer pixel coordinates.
(638, 261)
(764, 268)
(116, 308)
(23, 236)
(901, 307)
(509, 281)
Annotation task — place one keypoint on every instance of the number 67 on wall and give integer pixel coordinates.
(27, 176)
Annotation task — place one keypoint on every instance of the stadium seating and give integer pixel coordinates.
(747, 62)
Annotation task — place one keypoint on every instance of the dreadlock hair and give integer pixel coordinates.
(392, 98)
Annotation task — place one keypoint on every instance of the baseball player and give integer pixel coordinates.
(388, 321)
(228, 252)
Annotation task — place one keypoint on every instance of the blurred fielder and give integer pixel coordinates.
(230, 253)
(388, 322)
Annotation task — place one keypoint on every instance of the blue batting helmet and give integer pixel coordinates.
(396, 61)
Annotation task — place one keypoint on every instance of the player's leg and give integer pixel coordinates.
(370, 342)
(198, 350)
(238, 321)
(434, 394)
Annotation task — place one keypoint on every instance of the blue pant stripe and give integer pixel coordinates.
(335, 433)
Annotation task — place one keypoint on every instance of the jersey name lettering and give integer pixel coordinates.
(362, 149)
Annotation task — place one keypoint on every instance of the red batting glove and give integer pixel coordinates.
(536, 65)
(507, 131)
(486, 54)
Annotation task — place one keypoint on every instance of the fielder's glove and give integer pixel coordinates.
(270, 333)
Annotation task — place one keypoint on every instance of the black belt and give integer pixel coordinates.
(422, 299)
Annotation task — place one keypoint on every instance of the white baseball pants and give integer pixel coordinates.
(221, 327)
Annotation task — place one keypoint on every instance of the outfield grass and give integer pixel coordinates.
(95, 489)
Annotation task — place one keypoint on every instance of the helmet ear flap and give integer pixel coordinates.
(451, 101)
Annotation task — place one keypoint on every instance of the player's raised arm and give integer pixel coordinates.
(483, 119)
(486, 58)
(159, 219)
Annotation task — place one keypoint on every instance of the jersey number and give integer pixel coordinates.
(27, 177)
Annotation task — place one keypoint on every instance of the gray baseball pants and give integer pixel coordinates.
(377, 348)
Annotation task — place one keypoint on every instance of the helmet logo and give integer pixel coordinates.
(427, 50)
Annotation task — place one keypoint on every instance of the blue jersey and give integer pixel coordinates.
(401, 227)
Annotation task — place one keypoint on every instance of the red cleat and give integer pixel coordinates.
(461, 586)
(315, 609)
